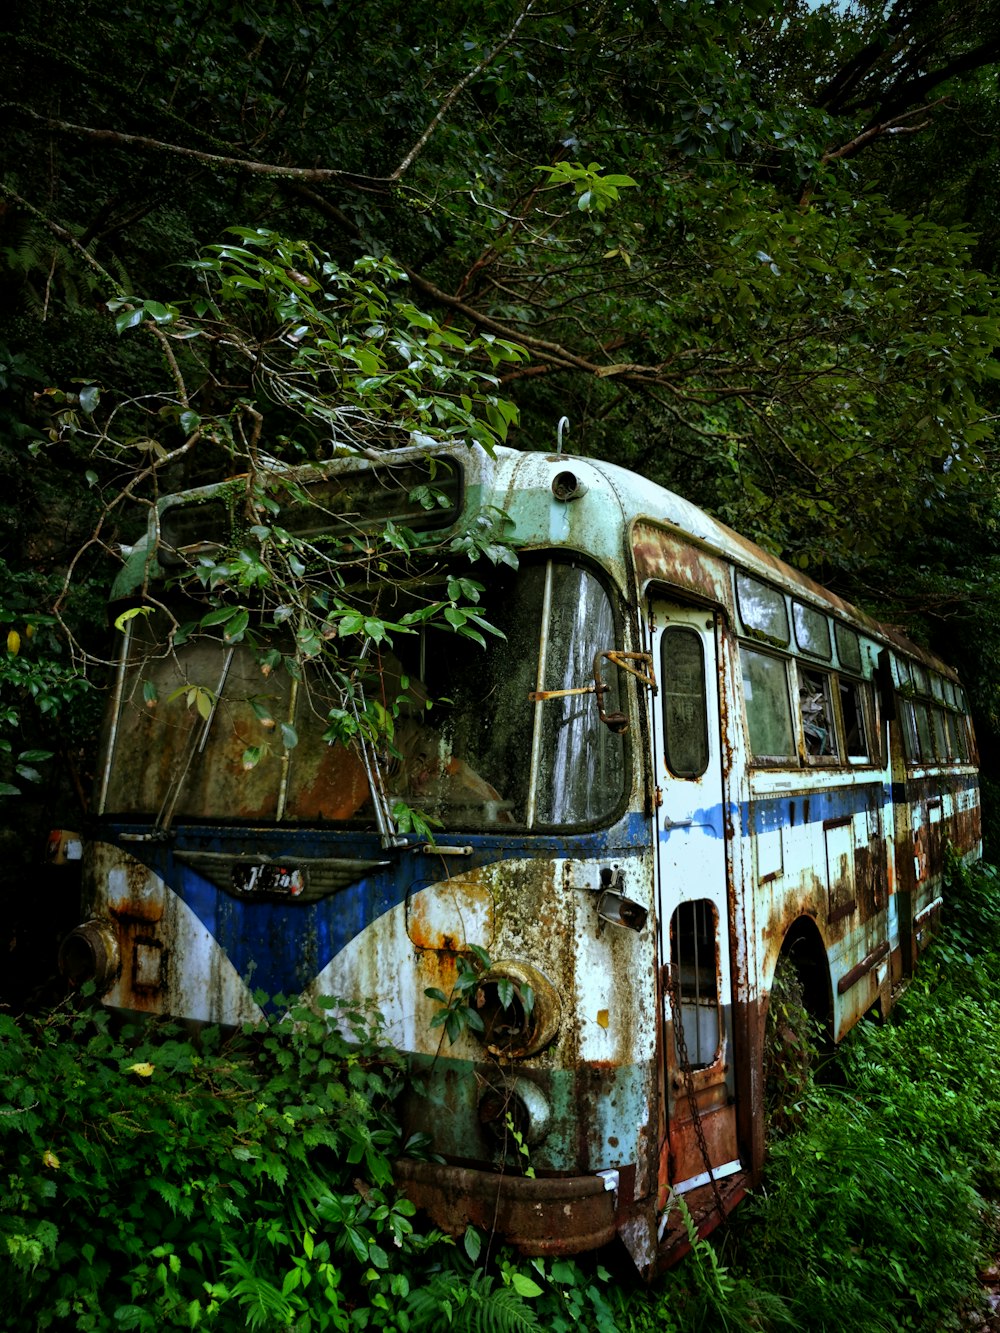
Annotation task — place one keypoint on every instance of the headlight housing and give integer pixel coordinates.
(520, 1009)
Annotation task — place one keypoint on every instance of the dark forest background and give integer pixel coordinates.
(749, 250)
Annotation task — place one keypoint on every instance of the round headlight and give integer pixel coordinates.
(520, 1009)
(90, 953)
(519, 1106)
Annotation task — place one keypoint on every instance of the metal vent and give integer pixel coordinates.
(296, 879)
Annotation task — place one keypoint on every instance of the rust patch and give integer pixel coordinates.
(701, 1204)
(327, 784)
(450, 916)
(550, 1215)
(718, 1125)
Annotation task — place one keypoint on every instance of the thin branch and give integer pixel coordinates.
(66, 237)
(459, 87)
(175, 369)
(378, 183)
(883, 127)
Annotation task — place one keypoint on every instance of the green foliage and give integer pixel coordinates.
(164, 1180)
(474, 1303)
(791, 1042)
(872, 1215)
(130, 1162)
(346, 358)
(44, 700)
(457, 1011)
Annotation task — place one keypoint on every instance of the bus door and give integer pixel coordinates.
(693, 899)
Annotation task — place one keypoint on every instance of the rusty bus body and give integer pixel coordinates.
(775, 773)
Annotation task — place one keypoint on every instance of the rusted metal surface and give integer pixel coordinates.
(862, 968)
(685, 1147)
(672, 559)
(169, 961)
(837, 854)
(547, 1215)
(700, 1203)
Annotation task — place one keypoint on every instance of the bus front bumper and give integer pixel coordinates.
(551, 1215)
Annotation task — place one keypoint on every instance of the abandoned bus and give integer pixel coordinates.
(682, 761)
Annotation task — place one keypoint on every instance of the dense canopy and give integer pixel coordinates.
(748, 250)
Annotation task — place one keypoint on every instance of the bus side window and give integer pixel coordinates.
(922, 726)
(852, 708)
(816, 711)
(769, 718)
(694, 965)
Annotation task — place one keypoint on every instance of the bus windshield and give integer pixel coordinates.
(198, 731)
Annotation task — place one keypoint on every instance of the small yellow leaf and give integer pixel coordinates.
(602, 1018)
(13, 643)
(144, 1069)
(50, 1159)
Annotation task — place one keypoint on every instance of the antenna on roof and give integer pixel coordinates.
(560, 432)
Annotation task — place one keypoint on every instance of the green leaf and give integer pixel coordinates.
(158, 312)
(289, 736)
(128, 319)
(473, 1243)
(133, 611)
(219, 616)
(524, 1286)
(233, 631)
(90, 396)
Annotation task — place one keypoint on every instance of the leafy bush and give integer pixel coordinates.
(872, 1214)
(150, 1180)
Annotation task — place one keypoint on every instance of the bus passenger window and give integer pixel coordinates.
(694, 968)
(816, 711)
(812, 630)
(848, 646)
(911, 743)
(942, 746)
(769, 719)
(923, 726)
(852, 707)
(962, 737)
(685, 710)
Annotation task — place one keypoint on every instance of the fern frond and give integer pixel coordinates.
(473, 1304)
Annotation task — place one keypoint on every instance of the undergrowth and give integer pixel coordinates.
(151, 1179)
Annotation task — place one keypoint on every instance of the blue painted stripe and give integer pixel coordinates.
(280, 947)
(782, 809)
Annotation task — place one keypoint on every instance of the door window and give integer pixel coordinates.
(685, 707)
(694, 969)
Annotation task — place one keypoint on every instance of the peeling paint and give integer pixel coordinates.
(630, 953)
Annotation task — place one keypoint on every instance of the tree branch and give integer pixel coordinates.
(883, 127)
(379, 184)
(459, 87)
(66, 237)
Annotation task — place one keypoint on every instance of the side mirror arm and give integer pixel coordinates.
(639, 665)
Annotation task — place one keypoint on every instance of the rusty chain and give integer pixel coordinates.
(686, 1072)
